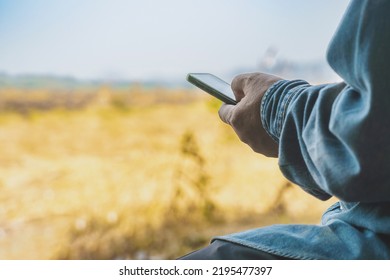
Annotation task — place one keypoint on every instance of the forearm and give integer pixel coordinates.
(325, 146)
(285, 112)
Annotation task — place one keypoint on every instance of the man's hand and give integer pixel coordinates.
(244, 117)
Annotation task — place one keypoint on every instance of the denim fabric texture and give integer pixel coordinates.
(334, 140)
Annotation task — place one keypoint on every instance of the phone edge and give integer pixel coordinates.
(190, 78)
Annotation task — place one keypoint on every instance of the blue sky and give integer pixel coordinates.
(148, 39)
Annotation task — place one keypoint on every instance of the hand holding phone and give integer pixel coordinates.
(214, 86)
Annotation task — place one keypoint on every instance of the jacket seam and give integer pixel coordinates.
(266, 249)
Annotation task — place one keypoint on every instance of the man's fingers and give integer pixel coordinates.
(238, 86)
(226, 113)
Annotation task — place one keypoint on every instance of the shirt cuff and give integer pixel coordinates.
(275, 104)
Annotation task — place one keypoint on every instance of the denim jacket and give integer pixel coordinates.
(334, 140)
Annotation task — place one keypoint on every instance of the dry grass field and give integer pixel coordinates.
(132, 174)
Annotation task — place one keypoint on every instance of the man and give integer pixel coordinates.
(331, 140)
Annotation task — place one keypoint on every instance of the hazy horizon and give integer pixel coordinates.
(149, 40)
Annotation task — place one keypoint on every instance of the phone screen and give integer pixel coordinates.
(214, 86)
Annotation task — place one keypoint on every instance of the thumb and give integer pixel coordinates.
(226, 113)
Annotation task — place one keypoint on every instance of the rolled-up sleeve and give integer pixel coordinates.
(334, 140)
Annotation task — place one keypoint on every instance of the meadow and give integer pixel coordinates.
(130, 174)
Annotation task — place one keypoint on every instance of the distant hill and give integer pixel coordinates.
(42, 81)
(59, 82)
(313, 72)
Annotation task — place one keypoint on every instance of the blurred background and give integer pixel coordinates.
(107, 153)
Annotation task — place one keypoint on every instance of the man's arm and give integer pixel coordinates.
(335, 139)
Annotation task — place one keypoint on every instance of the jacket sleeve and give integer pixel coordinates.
(334, 140)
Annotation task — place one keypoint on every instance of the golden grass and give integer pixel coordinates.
(115, 180)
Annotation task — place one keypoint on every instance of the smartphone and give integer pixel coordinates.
(214, 86)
